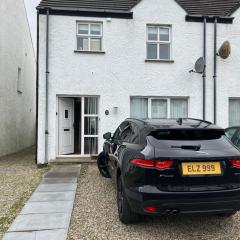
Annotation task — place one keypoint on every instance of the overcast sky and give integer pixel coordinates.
(32, 17)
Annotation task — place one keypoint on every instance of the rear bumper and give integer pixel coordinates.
(183, 202)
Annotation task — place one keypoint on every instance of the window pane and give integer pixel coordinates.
(90, 105)
(139, 108)
(90, 145)
(95, 29)
(152, 33)
(95, 44)
(164, 51)
(164, 34)
(82, 28)
(237, 141)
(82, 43)
(66, 114)
(234, 112)
(152, 51)
(230, 132)
(91, 126)
(179, 108)
(159, 108)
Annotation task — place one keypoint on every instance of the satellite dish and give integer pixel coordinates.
(225, 50)
(200, 65)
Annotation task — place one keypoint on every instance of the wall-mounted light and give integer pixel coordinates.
(115, 110)
(109, 19)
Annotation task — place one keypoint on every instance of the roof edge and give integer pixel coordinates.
(234, 9)
(86, 12)
(210, 19)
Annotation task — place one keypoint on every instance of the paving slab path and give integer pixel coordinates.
(47, 214)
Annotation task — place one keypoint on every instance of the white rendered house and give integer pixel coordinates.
(17, 79)
(100, 62)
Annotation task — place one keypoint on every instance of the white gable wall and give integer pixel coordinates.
(17, 111)
(122, 71)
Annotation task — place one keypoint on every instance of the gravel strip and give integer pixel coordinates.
(95, 217)
(19, 177)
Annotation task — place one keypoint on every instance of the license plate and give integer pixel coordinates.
(201, 168)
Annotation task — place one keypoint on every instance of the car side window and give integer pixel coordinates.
(130, 133)
(230, 132)
(127, 133)
(116, 135)
(237, 140)
(135, 136)
(118, 132)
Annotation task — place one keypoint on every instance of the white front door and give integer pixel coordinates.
(66, 126)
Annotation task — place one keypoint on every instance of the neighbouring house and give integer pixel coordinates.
(17, 79)
(101, 61)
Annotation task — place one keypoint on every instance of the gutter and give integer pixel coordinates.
(209, 19)
(215, 71)
(87, 12)
(37, 90)
(205, 65)
(47, 74)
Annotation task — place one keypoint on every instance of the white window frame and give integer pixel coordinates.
(158, 42)
(84, 115)
(168, 99)
(90, 36)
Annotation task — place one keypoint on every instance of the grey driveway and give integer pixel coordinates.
(95, 217)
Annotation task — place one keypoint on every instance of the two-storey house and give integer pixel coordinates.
(101, 61)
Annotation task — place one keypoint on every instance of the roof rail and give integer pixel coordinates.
(180, 120)
(137, 119)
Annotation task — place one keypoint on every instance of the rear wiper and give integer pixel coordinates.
(188, 147)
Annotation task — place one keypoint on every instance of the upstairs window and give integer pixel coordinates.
(158, 42)
(89, 37)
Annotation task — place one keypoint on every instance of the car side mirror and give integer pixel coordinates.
(107, 136)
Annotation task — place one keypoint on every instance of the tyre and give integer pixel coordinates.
(103, 166)
(125, 213)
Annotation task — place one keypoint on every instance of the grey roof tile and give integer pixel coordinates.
(193, 7)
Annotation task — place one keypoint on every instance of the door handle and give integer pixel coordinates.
(67, 130)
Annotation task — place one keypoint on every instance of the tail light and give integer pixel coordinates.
(157, 164)
(235, 163)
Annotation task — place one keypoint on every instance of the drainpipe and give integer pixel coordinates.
(47, 74)
(204, 71)
(215, 70)
(37, 87)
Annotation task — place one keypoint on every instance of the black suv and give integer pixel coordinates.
(169, 167)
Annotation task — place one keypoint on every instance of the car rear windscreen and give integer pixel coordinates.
(188, 134)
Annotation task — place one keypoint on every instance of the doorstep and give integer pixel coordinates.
(48, 212)
(73, 159)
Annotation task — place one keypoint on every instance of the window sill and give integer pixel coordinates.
(159, 61)
(89, 52)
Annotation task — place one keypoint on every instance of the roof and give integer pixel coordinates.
(106, 5)
(192, 7)
(210, 7)
(182, 123)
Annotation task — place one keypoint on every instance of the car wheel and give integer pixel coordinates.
(125, 213)
(102, 165)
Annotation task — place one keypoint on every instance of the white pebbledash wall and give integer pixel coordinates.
(17, 111)
(122, 71)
